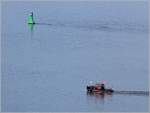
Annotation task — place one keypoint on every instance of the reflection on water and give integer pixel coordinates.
(31, 26)
(97, 98)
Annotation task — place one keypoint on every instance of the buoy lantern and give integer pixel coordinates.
(30, 19)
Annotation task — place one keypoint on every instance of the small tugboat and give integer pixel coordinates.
(99, 89)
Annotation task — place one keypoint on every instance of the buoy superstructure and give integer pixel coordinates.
(31, 19)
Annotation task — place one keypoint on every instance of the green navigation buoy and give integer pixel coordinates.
(30, 19)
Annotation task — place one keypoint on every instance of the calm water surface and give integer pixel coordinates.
(47, 67)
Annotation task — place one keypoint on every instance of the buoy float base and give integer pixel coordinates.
(31, 23)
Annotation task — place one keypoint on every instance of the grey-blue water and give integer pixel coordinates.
(47, 67)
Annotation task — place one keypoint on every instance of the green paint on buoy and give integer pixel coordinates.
(30, 19)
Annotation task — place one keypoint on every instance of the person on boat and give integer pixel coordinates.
(102, 87)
